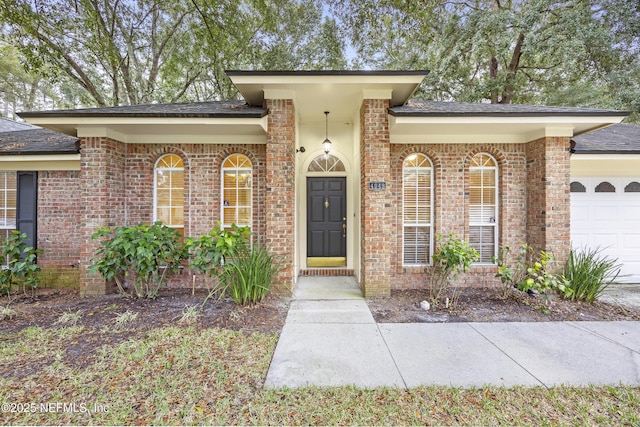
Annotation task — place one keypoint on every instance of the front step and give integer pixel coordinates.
(326, 272)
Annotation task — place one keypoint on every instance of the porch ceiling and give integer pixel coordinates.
(339, 92)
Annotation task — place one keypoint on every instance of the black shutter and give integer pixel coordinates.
(27, 206)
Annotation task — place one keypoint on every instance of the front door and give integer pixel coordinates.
(326, 222)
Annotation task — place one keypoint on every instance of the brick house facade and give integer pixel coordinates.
(366, 208)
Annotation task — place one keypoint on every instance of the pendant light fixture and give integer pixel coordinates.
(326, 144)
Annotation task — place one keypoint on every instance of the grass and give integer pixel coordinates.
(186, 375)
(69, 318)
(124, 319)
(7, 312)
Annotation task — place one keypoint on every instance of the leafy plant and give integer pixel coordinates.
(451, 257)
(20, 260)
(530, 272)
(190, 314)
(209, 251)
(69, 318)
(146, 254)
(247, 277)
(122, 319)
(7, 312)
(588, 273)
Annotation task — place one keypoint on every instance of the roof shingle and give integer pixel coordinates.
(421, 108)
(615, 139)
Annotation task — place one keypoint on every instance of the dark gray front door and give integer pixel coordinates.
(326, 221)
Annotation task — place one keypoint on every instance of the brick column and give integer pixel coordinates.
(102, 199)
(376, 206)
(280, 186)
(548, 204)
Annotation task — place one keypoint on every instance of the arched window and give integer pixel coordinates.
(169, 192)
(417, 210)
(483, 206)
(326, 163)
(236, 191)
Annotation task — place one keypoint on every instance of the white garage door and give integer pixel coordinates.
(605, 212)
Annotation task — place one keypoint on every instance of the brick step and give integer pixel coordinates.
(326, 272)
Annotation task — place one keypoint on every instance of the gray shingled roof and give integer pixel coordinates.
(7, 125)
(214, 109)
(420, 108)
(37, 141)
(614, 139)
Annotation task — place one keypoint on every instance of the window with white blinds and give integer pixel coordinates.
(483, 206)
(169, 192)
(417, 210)
(236, 191)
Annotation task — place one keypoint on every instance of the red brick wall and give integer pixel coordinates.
(378, 208)
(280, 189)
(451, 176)
(548, 204)
(102, 201)
(58, 228)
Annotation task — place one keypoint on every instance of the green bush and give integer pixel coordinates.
(19, 263)
(145, 254)
(451, 257)
(588, 273)
(209, 251)
(247, 276)
(531, 271)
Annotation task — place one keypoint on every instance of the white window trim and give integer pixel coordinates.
(496, 212)
(431, 205)
(222, 188)
(155, 188)
(5, 208)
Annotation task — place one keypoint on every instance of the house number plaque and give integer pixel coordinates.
(377, 185)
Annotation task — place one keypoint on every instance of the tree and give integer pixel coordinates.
(504, 51)
(135, 52)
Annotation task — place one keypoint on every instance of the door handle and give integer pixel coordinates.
(326, 203)
(344, 230)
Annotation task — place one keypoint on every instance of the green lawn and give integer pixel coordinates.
(187, 375)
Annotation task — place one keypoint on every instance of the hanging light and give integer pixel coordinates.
(326, 144)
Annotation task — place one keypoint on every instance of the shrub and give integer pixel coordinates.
(530, 272)
(19, 261)
(209, 251)
(246, 277)
(588, 273)
(149, 254)
(451, 257)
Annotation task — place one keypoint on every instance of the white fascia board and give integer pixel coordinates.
(543, 120)
(326, 79)
(40, 162)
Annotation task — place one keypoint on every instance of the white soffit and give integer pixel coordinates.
(485, 129)
(160, 129)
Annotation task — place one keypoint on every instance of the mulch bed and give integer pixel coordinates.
(493, 305)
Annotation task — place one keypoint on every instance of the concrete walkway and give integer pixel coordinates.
(331, 339)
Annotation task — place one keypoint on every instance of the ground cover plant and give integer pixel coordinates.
(162, 376)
